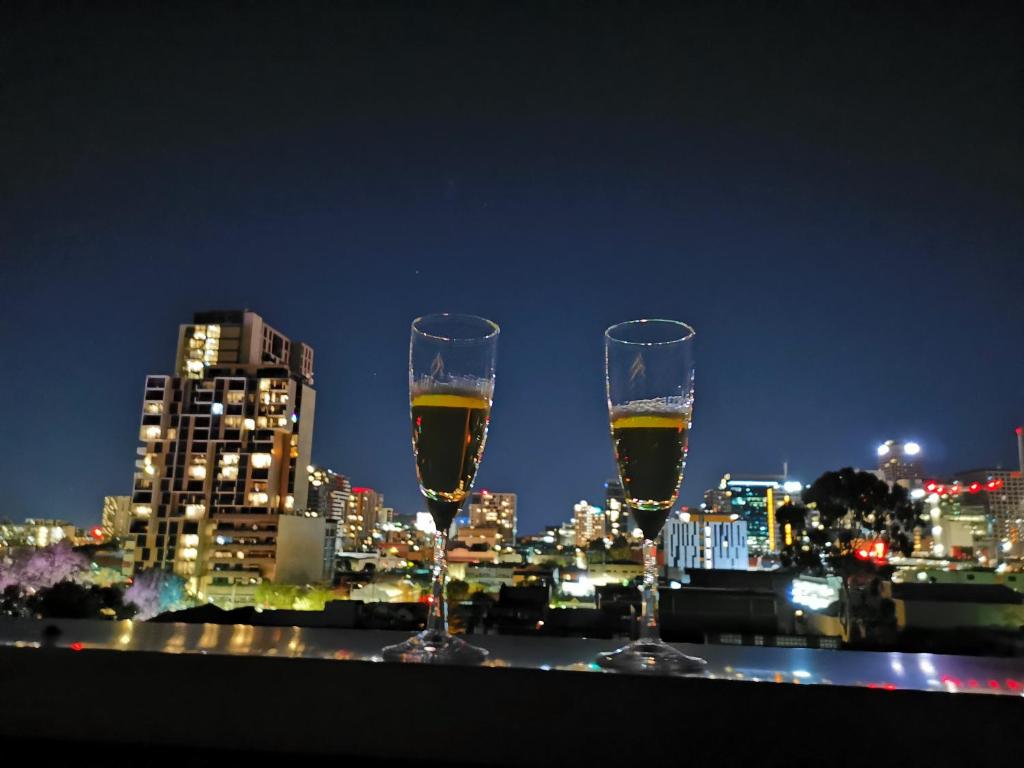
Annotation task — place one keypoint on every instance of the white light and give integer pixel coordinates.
(922, 576)
(802, 673)
(911, 449)
(883, 449)
(792, 486)
(917, 493)
(217, 409)
(1006, 546)
(936, 530)
(261, 460)
(812, 594)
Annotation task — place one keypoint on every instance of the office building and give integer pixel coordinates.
(495, 510)
(697, 540)
(116, 516)
(225, 441)
(899, 462)
(754, 499)
(620, 521)
(329, 495)
(589, 523)
(364, 515)
(1003, 490)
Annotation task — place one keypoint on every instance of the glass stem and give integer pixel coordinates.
(649, 617)
(437, 617)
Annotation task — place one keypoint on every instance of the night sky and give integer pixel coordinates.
(831, 194)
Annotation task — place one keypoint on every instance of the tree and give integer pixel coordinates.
(69, 600)
(153, 592)
(854, 505)
(41, 568)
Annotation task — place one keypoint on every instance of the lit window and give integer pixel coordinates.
(261, 460)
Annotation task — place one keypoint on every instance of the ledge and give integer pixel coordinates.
(246, 690)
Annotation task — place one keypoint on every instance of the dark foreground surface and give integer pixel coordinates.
(204, 695)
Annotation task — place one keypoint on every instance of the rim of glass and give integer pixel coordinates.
(493, 329)
(686, 331)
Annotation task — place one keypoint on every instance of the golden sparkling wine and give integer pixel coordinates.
(448, 434)
(650, 449)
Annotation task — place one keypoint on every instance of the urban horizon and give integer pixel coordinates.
(396, 485)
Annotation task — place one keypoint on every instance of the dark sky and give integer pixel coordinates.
(830, 193)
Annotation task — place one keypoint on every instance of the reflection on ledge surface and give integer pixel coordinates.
(791, 666)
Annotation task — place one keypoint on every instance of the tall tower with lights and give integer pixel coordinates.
(899, 462)
(220, 472)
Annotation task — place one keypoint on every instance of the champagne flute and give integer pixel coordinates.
(649, 379)
(451, 383)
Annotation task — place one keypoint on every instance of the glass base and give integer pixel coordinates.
(432, 646)
(650, 657)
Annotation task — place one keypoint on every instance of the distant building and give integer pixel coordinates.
(329, 494)
(1005, 492)
(716, 500)
(35, 532)
(589, 523)
(899, 462)
(754, 499)
(706, 541)
(496, 510)
(117, 516)
(620, 522)
(487, 535)
(364, 514)
(225, 443)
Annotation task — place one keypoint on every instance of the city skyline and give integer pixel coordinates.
(843, 240)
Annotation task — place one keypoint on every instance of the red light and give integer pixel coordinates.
(861, 554)
(890, 686)
(96, 532)
(76, 646)
(974, 487)
(954, 489)
(1012, 684)
(1019, 431)
(361, 490)
(940, 489)
(930, 486)
(951, 680)
(994, 485)
(972, 683)
(994, 684)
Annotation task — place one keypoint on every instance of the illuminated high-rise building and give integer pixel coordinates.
(225, 444)
(754, 499)
(620, 522)
(899, 462)
(589, 523)
(116, 517)
(329, 495)
(363, 516)
(494, 510)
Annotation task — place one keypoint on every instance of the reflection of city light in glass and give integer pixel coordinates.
(917, 493)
